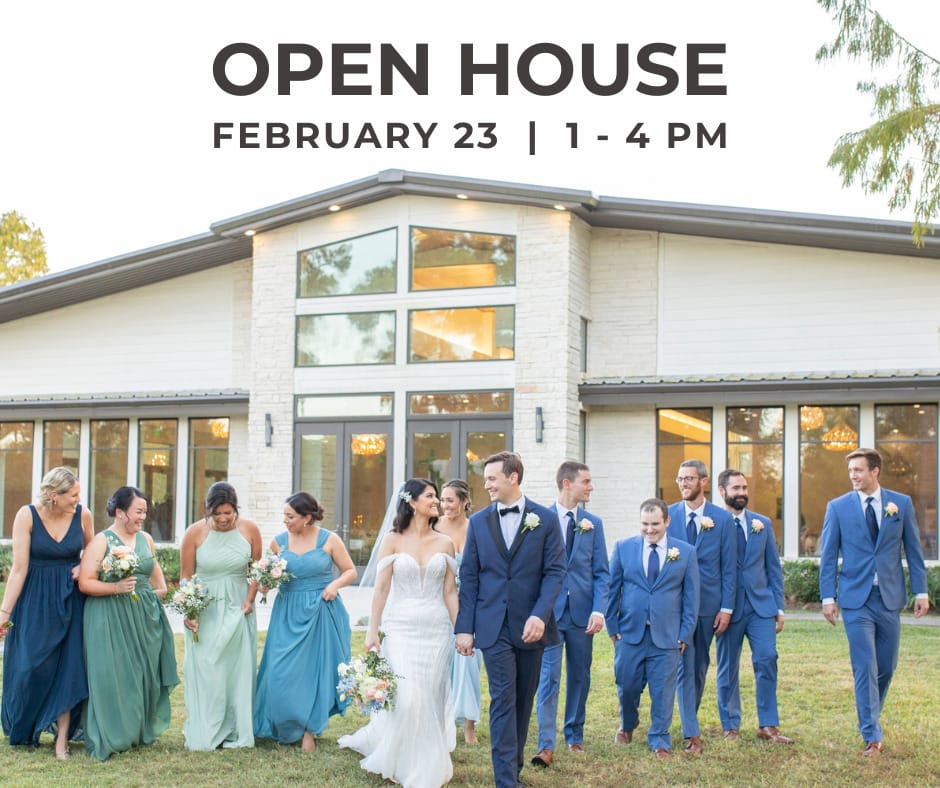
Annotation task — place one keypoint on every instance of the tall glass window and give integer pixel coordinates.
(755, 447)
(16, 470)
(109, 447)
(353, 338)
(447, 259)
(60, 445)
(208, 461)
(361, 265)
(906, 436)
(156, 474)
(485, 333)
(827, 434)
(684, 434)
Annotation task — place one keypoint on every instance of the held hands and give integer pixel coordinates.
(464, 644)
(75, 573)
(534, 630)
(831, 613)
(721, 622)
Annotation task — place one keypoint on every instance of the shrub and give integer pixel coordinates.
(801, 582)
(169, 559)
(6, 561)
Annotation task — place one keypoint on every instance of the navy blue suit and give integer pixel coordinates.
(758, 601)
(871, 612)
(717, 566)
(500, 588)
(650, 620)
(583, 592)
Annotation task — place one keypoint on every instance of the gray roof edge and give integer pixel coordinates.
(394, 182)
(126, 398)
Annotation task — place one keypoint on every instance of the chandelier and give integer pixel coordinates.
(219, 428)
(840, 438)
(368, 444)
(811, 417)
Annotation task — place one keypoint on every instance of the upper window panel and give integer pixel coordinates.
(448, 259)
(353, 338)
(356, 266)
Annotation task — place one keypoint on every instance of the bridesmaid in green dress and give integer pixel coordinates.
(128, 642)
(220, 668)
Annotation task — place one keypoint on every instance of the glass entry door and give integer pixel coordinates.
(441, 450)
(346, 467)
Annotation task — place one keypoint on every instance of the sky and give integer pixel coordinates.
(109, 108)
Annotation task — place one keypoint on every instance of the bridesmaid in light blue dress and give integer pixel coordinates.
(464, 671)
(309, 633)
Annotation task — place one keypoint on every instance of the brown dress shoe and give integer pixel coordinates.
(772, 733)
(873, 749)
(732, 734)
(543, 758)
(623, 737)
(693, 745)
(662, 754)
(576, 748)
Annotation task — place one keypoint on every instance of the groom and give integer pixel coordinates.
(512, 570)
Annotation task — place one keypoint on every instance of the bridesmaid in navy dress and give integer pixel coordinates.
(43, 667)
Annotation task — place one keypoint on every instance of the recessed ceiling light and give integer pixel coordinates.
(559, 207)
(334, 208)
(250, 233)
(462, 197)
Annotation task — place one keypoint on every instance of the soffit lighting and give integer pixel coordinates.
(334, 208)
(462, 196)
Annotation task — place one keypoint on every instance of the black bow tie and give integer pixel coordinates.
(508, 509)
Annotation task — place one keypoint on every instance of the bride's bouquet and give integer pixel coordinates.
(190, 599)
(119, 562)
(268, 572)
(368, 681)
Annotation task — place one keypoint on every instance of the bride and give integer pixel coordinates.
(415, 601)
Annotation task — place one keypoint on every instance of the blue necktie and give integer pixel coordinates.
(742, 540)
(871, 519)
(652, 570)
(569, 539)
(690, 528)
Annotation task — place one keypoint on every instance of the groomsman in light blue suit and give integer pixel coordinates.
(579, 611)
(709, 529)
(758, 615)
(868, 527)
(651, 615)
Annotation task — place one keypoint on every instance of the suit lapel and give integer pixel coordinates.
(492, 523)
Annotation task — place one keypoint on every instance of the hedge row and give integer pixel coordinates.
(169, 558)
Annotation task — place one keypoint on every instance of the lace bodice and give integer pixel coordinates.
(412, 580)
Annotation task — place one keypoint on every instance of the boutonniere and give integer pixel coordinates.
(531, 522)
(672, 554)
(707, 523)
(756, 526)
(585, 525)
(891, 509)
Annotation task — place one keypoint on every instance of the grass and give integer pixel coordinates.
(816, 707)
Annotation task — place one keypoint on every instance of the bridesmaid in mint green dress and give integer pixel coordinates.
(308, 635)
(129, 654)
(220, 668)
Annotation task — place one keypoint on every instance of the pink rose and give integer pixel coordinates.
(277, 572)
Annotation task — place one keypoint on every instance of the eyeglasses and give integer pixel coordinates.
(686, 479)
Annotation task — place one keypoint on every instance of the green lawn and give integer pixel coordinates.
(816, 705)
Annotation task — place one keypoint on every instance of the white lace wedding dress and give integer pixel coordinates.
(411, 743)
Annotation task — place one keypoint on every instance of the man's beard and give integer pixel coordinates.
(737, 502)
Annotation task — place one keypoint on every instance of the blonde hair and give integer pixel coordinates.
(59, 480)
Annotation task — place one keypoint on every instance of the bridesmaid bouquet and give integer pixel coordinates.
(268, 572)
(119, 562)
(190, 599)
(368, 681)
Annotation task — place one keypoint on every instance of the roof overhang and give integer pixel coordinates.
(762, 390)
(225, 402)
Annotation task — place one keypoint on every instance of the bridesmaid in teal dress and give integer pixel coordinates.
(129, 656)
(220, 668)
(308, 635)
(464, 671)
(43, 667)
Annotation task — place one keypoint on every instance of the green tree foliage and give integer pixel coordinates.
(898, 155)
(22, 250)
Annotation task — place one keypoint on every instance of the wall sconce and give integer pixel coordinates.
(268, 429)
(539, 425)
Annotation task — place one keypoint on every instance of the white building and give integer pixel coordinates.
(410, 324)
